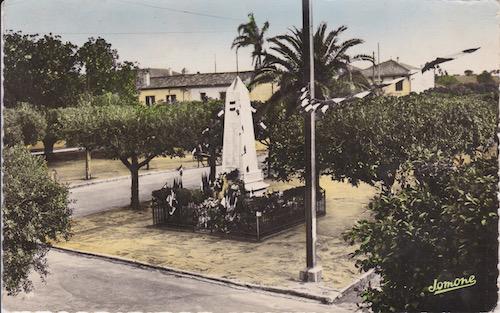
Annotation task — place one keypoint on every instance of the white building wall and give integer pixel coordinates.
(421, 82)
(211, 92)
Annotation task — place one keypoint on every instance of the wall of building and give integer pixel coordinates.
(262, 92)
(259, 93)
(421, 82)
(161, 94)
(211, 92)
(391, 89)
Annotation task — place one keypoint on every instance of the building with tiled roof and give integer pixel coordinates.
(196, 87)
(410, 77)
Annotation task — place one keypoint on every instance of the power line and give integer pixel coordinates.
(181, 11)
(140, 33)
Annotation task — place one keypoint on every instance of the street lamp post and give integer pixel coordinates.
(312, 273)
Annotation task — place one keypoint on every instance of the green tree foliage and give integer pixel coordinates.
(137, 134)
(371, 140)
(210, 143)
(446, 80)
(485, 78)
(443, 227)
(23, 125)
(286, 143)
(35, 213)
(105, 99)
(249, 34)
(285, 64)
(53, 132)
(42, 71)
(103, 72)
(47, 72)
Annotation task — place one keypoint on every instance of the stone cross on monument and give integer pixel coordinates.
(238, 150)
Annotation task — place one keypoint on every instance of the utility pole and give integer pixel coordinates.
(378, 65)
(373, 68)
(312, 273)
(237, 67)
(215, 63)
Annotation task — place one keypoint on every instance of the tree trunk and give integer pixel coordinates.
(48, 147)
(134, 173)
(88, 157)
(134, 166)
(387, 182)
(269, 151)
(212, 161)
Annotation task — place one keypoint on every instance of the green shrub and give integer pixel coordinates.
(183, 196)
(23, 125)
(444, 227)
(197, 196)
(35, 213)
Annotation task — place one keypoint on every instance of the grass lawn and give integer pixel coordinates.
(73, 171)
(276, 261)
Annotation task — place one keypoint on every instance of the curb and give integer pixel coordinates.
(111, 179)
(188, 274)
(357, 285)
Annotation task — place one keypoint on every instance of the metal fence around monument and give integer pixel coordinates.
(256, 223)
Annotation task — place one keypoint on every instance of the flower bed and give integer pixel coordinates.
(226, 209)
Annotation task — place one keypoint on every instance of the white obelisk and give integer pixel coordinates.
(238, 150)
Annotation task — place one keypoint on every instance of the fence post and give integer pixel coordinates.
(257, 215)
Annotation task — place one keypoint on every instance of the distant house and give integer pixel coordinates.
(195, 87)
(412, 78)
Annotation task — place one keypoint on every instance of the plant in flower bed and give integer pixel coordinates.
(224, 207)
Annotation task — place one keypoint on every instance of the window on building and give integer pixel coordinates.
(171, 98)
(203, 96)
(222, 95)
(399, 85)
(150, 100)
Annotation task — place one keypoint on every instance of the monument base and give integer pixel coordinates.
(312, 274)
(257, 188)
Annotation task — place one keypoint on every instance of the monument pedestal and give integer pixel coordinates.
(254, 183)
(238, 150)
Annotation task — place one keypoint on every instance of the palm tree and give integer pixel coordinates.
(251, 35)
(334, 75)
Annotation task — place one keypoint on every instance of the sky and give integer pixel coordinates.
(196, 34)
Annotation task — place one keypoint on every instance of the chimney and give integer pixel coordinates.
(169, 70)
(147, 78)
(397, 59)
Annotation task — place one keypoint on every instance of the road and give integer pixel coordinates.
(113, 194)
(78, 283)
(104, 196)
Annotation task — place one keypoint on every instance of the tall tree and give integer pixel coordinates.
(136, 134)
(374, 140)
(249, 34)
(285, 64)
(35, 214)
(103, 72)
(42, 71)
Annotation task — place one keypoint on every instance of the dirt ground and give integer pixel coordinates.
(273, 262)
(73, 170)
(70, 168)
